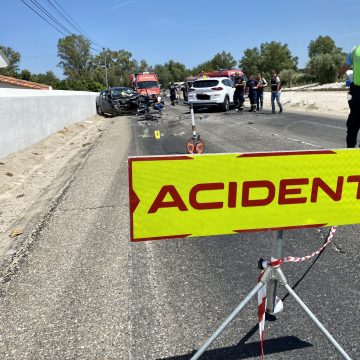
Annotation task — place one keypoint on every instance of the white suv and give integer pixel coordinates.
(209, 92)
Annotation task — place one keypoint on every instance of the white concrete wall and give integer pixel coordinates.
(28, 116)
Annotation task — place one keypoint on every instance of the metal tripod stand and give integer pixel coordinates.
(271, 276)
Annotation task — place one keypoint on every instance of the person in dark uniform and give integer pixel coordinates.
(252, 85)
(240, 84)
(260, 91)
(173, 92)
(353, 122)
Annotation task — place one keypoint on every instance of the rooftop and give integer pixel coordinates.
(23, 83)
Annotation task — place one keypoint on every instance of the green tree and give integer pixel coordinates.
(277, 56)
(119, 67)
(14, 59)
(74, 52)
(322, 45)
(144, 66)
(251, 62)
(288, 76)
(221, 60)
(324, 68)
(325, 59)
(26, 75)
(273, 55)
(164, 75)
(48, 78)
(80, 85)
(171, 71)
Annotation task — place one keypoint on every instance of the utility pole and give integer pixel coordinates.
(106, 74)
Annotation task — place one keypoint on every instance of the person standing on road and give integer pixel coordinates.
(240, 84)
(173, 92)
(275, 92)
(252, 85)
(353, 121)
(260, 91)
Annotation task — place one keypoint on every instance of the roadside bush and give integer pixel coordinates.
(288, 76)
(324, 68)
(80, 85)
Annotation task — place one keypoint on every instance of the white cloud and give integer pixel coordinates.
(118, 6)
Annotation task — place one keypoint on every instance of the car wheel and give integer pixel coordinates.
(226, 104)
(98, 110)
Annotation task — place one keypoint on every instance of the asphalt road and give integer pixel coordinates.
(84, 292)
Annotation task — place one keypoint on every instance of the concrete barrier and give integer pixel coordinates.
(28, 116)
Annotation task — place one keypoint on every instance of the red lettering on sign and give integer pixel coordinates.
(232, 194)
(160, 203)
(284, 191)
(247, 185)
(319, 183)
(289, 192)
(355, 178)
(206, 205)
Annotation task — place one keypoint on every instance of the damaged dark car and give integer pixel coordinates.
(119, 101)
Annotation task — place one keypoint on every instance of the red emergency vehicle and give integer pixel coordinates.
(225, 72)
(145, 83)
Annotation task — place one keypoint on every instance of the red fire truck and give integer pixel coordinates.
(224, 72)
(145, 83)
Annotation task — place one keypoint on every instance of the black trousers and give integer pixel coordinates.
(238, 99)
(353, 121)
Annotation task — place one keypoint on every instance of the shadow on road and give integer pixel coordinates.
(245, 351)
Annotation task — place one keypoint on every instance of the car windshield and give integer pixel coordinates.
(205, 83)
(147, 84)
(121, 91)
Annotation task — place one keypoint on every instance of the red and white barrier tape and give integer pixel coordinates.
(262, 292)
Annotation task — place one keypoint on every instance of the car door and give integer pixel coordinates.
(105, 102)
(230, 89)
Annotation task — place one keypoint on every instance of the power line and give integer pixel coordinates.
(46, 13)
(52, 25)
(56, 23)
(67, 17)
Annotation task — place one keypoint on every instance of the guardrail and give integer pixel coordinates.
(28, 116)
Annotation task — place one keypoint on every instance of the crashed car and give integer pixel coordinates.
(119, 101)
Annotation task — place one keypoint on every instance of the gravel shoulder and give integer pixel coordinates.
(31, 181)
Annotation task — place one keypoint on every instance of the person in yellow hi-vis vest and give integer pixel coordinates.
(203, 75)
(353, 122)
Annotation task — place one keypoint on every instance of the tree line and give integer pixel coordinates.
(85, 71)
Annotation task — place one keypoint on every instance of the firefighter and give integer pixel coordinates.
(240, 84)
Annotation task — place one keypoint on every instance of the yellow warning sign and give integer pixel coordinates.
(212, 194)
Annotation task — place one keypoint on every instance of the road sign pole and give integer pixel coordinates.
(272, 286)
(193, 126)
(195, 144)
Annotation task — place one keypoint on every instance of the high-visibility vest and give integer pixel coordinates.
(355, 59)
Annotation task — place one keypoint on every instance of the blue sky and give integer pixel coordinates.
(188, 31)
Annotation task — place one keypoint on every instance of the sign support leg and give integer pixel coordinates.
(271, 273)
(317, 322)
(232, 316)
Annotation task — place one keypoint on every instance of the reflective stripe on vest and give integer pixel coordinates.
(355, 57)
